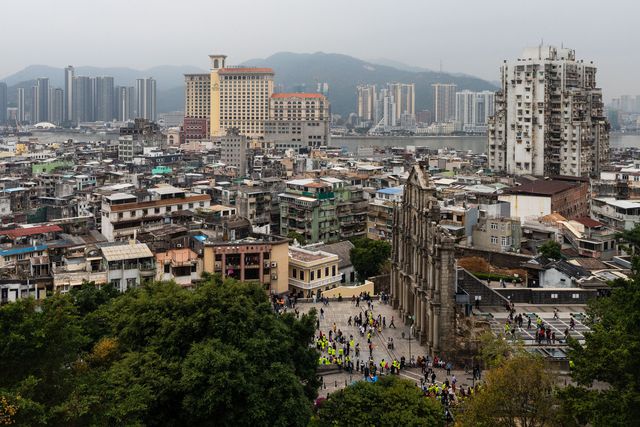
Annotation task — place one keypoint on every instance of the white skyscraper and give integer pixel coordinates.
(21, 116)
(146, 98)
(69, 74)
(444, 102)
(549, 117)
(366, 102)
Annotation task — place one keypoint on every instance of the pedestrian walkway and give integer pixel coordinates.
(339, 313)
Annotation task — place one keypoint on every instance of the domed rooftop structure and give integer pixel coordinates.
(44, 125)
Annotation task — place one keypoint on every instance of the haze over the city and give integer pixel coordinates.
(464, 36)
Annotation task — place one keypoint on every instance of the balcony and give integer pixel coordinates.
(315, 284)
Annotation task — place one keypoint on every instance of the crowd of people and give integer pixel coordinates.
(544, 333)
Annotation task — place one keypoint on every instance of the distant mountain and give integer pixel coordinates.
(399, 65)
(294, 72)
(302, 71)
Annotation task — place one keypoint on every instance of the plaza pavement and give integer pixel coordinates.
(339, 313)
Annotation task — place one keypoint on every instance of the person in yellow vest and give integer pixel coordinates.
(382, 363)
(571, 365)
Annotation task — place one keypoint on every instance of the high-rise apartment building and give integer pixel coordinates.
(146, 99)
(84, 91)
(386, 109)
(549, 117)
(239, 98)
(444, 101)
(234, 149)
(366, 102)
(104, 99)
(125, 103)
(298, 120)
(3, 103)
(69, 75)
(56, 106)
(197, 96)
(405, 99)
(474, 108)
(40, 102)
(21, 104)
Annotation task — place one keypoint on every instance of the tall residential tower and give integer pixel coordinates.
(549, 117)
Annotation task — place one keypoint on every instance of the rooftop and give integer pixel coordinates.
(297, 95)
(126, 251)
(541, 187)
(304, 255)
(30, 231)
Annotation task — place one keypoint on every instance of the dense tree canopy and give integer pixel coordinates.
(158, 355)
(389, 402)
(610, 355)
(518, 392)
(369, 256)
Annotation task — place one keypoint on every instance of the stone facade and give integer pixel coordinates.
(423, 277)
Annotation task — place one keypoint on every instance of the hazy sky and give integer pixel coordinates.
(470, 36)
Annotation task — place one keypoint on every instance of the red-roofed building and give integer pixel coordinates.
(17, 233)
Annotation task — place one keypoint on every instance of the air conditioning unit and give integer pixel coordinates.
(179, 245)
(274, 276)
(274, 264)
(266, 264)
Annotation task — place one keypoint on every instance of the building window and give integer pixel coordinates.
(505, 241)
(494, 226)
(311, 277)
(494, 240)
(131, 283)
(326, 272)
(575, 296)
(333, 270)
(167, 268)
(554, 296)
(294, 274)
(302, 275)
(319, 273)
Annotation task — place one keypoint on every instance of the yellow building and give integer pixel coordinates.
(197, 96)
(311, 272)
(262, 259)
(239, 98)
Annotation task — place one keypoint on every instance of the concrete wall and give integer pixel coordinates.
(498, 259)
(523, 206)
(349, 291)
(479, 290)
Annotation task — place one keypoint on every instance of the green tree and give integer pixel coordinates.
(369, 257)
(519, 392)
(551, 249)
(294, 235)
(158, 355)
(609, 357)
(389, 402)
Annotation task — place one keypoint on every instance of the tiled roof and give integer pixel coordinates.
(162, 202)
(30, 231)
(126, 251)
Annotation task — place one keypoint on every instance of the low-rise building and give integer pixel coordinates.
(180, 265)
(619, 214)
(308, 207)
(312, 271)
(500, 234)
(590, 238)
(260, 258)
(537, 198)
(128, 264)
(123, 215)
(380, 213)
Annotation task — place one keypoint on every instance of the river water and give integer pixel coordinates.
(477, 144)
